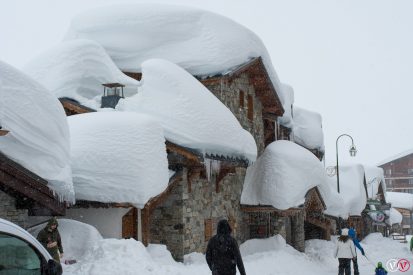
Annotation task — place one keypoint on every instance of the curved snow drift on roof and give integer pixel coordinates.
(374, 179)
(395, 217)
(308, 130)
(201, 42)
(287, 102)
(282, 176)
(77, 69)
(39, 134)
(400, 200)
(352, 189)
(189, 113)
(117, 157)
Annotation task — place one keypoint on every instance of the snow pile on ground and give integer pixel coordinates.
(394, 216)
(254, 246)
(111, 256)
(400, 200)
(117, 157)
(287, 102)
(77, 237)
(189, 113)
(39, 134)
(374, 179)
(352, 189)
(308, 130)
(160, 253)
(201, 42)
(77, 69)
(282, 176)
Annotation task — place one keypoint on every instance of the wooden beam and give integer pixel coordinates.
(3, 132)
(270, 209)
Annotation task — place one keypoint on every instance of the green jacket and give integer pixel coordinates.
(47, 235)
(411, 243)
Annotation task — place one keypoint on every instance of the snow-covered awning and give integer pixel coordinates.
(118, 157)
(307, 129)
(39, 135)
(282, 176)
(201, 42)
(189, 113)
(400, 200)
(77, 69)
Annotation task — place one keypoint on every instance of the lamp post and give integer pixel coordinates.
(353, 152)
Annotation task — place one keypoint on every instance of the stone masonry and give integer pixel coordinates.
(9, 212)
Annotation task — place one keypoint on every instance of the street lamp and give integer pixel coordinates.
(353, 152)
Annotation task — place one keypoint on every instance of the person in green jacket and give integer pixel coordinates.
(411, 244)
(49, 237)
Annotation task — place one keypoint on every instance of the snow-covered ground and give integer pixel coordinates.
(270, 256)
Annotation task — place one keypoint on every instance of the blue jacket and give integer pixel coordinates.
(352, 234)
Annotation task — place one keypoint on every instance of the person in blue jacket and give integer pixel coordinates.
(352, 234)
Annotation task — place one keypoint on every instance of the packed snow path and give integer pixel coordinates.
(270, 256)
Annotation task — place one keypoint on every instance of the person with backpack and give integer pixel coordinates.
(380, 269)
(353, 236)
(345, 251)
(222, 253)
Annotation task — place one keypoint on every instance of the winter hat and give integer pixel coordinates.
(379, 265)
(344, 232)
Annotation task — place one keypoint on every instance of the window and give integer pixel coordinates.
(388, 172)
(241, 99)
(250, 108)
(18, 257)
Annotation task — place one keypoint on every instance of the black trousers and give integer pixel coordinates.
(344, 266)
(355, 266)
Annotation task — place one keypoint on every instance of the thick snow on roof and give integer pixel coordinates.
(201, 42)
(117, 157)
(394, 217)
(308, 130)
(395, 157)
(352, 188)
(332, 199)
(282, 176)
(189, 113)
(400, 200)
(374, 178)
(77, 69)
(287, 102)
(39, 134)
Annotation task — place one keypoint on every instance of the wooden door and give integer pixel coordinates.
(130, 224)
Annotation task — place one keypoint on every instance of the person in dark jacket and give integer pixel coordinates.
(353, 236)
(222, 253)
(380, 269)
(49, 237)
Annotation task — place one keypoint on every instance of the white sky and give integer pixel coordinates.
(349, 60)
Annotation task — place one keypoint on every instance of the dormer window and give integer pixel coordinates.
(112, 93)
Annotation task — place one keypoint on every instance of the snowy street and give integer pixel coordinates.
(270, 256)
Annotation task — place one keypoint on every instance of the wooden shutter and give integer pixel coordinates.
(129, 224)
(250, 108)
(241, 99)
(208, 229)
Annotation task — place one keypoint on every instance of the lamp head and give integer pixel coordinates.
(353, 150)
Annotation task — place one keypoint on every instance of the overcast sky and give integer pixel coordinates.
(351, 61)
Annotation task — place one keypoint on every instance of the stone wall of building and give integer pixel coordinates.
(9, 212)
(180, 222)
(230, 93)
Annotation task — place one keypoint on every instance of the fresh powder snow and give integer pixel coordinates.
(117, 157)
(308, 130)
(201, 42)
(400, 200)
(282, 176)
(189, 113)
(395, 217)
(374, 179)
(77, 69)
(39, 133)
(287, 102)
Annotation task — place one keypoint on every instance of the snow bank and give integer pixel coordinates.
(77, 69)
(352, 189)
(77, 237)
(160, 253)
(117, 157)
(395, 217)
(374, 179)
(189, 113)
(201, 42)
(39, 134)
(400, 200)
(254, 246)
(287, 102)
(282, 176)
(308, 130)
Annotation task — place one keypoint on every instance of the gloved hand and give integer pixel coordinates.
(362, 252)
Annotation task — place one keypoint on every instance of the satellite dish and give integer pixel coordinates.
(331, 171)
